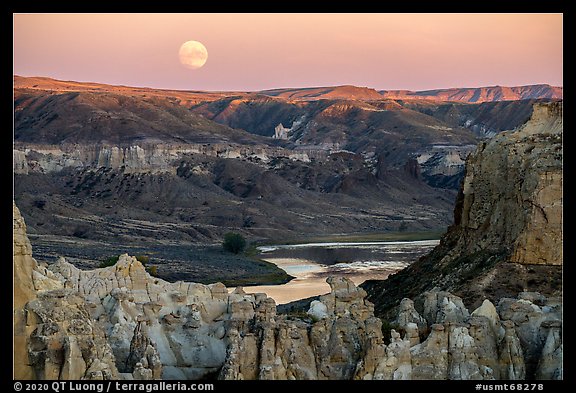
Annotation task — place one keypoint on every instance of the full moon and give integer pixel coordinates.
(193, 54)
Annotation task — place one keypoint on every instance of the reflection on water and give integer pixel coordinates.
(312, 263)
(300, 267)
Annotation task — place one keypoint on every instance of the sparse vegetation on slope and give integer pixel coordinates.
(234, 242)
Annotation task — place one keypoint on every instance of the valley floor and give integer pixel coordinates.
(203, 263)
(175, 261)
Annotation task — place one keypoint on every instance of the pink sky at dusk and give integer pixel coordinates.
(249, 52)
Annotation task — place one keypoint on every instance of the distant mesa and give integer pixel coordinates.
(465, 94)
(480, 94)
(472, 95)
(100, 168)
(345, 92)
(275, 165)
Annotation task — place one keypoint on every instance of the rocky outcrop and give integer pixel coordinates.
(144, 158)
(343, 340)
(515, 341)
(24, 291)
(443, 307)
(512, 192)
(408, 315)
(549, 365)
(328, 347)
(54, 336)
(537, 321)
(119, 322)
(281, 132)
(507, 231)
(185, 321)
(66, 343)
(143, 358)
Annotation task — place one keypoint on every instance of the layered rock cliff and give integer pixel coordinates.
(54, 335)
(512, 192)
(507, 231)
(138, 158)
(111, 164)
(23, 292)
(343, 340)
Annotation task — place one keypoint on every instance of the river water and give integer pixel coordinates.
(312, 263)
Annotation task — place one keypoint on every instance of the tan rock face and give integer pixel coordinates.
(67, 343)
(443, 307)
(329, 346)
(511, 354)
(345, 345)
(184, 321)
(24, 264)
(507, 232)
(486, 340)
(407, 314)
(24, 291)
(550, 364)
(54, 335)
(538, 243)
(534, 319)
(512, 193)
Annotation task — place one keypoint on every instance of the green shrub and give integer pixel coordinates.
(152, 270)
(234, 242)
(143, 259)
(111, 261)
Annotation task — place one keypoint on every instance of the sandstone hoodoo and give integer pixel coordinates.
(119, 322)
